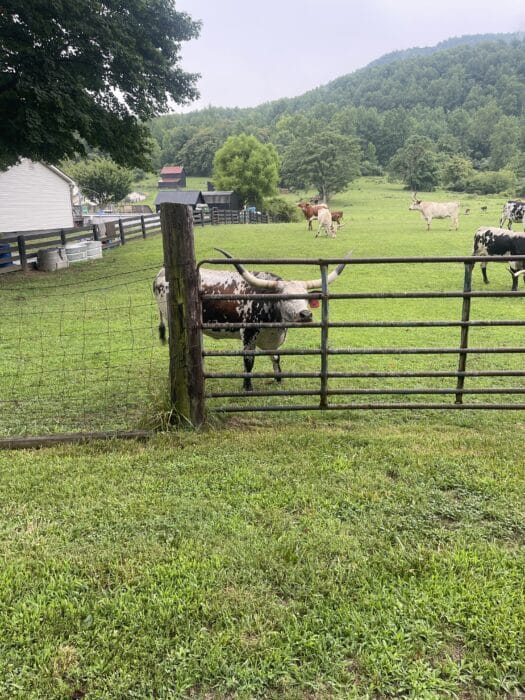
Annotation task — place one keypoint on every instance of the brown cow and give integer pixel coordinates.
(310, 211)
(337, 216)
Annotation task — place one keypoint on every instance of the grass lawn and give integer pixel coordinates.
(297, 556)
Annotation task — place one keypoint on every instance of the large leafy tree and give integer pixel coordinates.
(249, 167)
(416, 164)
(100, 179)
(77, 72)
(328, 161)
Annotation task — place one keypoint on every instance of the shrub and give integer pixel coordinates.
(492, 182)
(280, 210)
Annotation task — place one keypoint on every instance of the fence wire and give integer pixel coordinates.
(79, 351)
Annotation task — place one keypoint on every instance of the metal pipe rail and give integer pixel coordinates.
(325, 392)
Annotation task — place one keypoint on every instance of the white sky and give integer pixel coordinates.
(253, 52)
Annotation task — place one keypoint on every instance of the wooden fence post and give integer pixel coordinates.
(22, 254)
(62, 237)
(184, 313)
(143, 225)
(121, 230)
(463, 344)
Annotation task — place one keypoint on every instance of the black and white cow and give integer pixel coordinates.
(513, 212)
(490, 240)
(247, 310)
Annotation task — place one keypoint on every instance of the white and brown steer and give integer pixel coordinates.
(436, 210)
(247, 310)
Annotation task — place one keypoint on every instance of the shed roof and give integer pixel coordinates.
(218, 196)
(188, 197)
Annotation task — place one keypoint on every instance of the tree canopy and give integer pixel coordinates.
(77, 73)
(329, 161)
(249, 167)
(101, 180)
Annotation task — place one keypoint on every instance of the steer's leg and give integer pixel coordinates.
(276, 362)
(484, 272)
(248, 337)
(514, 280)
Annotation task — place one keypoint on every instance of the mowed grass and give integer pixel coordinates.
(304, 555)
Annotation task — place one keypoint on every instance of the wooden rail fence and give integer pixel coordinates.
(24, 246)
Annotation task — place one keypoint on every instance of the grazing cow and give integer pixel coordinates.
(490, 240)
(512, 212)
(310, 211)
(325, 222)
(436, 210)
(247, 310)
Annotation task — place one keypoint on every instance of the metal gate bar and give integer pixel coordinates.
(325, 352)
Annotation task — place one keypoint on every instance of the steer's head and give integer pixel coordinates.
(292, 310)
(416, 203)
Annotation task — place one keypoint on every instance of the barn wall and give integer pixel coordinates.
(33, 197)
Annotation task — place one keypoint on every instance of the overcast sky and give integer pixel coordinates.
(252, 52)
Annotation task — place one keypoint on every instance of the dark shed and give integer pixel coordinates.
(189, 197)
(223, 200)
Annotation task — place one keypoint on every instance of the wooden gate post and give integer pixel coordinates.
(184, 313)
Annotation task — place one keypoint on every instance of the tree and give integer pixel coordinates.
(101, 179)
(249, 167)
(76, 72)
(329, 161)
(198, 152)
(416, 164)
(456, 173)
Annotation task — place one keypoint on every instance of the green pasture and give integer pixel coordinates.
(80, 349)
(295, 556)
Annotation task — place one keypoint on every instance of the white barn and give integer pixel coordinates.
(35, 196)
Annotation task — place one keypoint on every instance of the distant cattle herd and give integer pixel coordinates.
(488, 240)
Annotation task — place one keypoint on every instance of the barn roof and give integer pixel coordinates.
(188, 197)
(172, 170)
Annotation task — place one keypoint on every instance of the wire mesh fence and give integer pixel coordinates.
(79, 351)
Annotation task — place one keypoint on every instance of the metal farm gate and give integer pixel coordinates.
(455, 383)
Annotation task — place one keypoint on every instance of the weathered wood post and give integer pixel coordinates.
(22, 253)
(184, 313)
(143, 226)
(121, 231)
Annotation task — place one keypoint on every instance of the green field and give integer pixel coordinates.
(293, 555)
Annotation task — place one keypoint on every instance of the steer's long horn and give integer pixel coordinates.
(315, 284)
(248, 277)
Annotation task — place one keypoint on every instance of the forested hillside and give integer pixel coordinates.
(462, 105)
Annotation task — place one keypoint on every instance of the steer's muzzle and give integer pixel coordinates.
(305, 316)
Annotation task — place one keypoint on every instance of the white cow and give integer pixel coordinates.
(436, 210)
(324, 217)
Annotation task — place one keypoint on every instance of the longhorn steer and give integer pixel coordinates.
(513, 211)
(436, 210)
(490, 240)
(249, 310)
(310, 211)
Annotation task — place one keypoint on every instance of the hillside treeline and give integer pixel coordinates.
(464, 107)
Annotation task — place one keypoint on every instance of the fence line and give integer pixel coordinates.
(25, 245)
